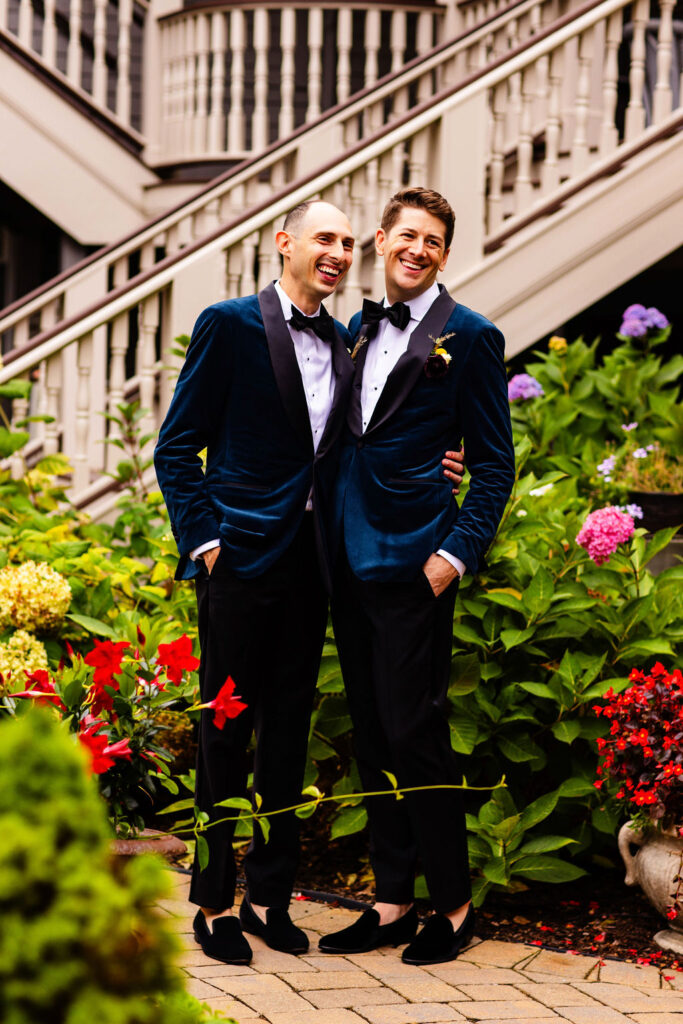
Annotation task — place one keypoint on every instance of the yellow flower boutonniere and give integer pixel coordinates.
(439, 358)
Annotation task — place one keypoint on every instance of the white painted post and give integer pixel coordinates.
(99, 71)
(635, 112)
(344, 40)
(663, 99)
(315, 68)
(287, 71)
(74, 56)
(259, 121)
(123, 90)
(236, 114)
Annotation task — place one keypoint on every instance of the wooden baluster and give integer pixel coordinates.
(495, 198)
(315, 68)
(39, 400)
(189, 85)
(123, 90)
(247, 279)
(215, 27)
(418, 156)
(424, 44)
(550, 175)
(201, 142)
(175, 83)
(397, 165)
(3, 14)
(233, 267)
(635, 112)
(236, 114)
(26, 23)
(50, 34)
(344, 40)
(19, 413)
(663, 100)
(608, 131)
(514, 88)
(259, 121)
(53, 389)
(372, 40)
(287, 71)
(74, 56)
(375, 194)
(117, 380)
(146, 363)
(525, 145)
(353, 287)
(579, 149)
(166, 80)
(99, 68)
(147, 256)
(81, 476)
(398, 39)
(268, 257)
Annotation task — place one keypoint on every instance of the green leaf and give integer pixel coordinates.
(506, 596)
(496, 871)
(95, 626)
(461, 631)
(240, 802)
(648, 645)
(566, 731)
(348, 821)
(538, 810)
(514, 637)
(480, 887)
(576, 787)
(202, 852)
(539, 593)
(660, 540)
(11, 441)
(547, 869)
(179, 805)
(464, 733)
(16, 388)
(518, 748)
(542, 844)
(465, 675)
(264, 825)
(539, 690)
(420, 890)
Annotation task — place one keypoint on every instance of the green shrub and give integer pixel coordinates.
(79, 938)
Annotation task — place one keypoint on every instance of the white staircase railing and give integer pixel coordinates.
(527, 107)
(233, 193)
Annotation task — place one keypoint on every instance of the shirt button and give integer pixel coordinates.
(375, 387)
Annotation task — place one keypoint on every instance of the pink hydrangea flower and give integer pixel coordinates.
(603, 531)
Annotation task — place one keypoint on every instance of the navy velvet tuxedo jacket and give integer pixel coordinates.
(392, 503)
(240, 396)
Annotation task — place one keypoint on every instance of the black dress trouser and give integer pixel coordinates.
(394, 641)
(267, 633)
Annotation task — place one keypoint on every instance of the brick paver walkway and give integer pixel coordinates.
(492, 982)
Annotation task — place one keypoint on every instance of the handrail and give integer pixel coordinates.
(379, 90)
(425, 114)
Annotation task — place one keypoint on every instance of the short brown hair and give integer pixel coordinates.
(421, 199)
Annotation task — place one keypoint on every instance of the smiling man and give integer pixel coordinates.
(264, 389)
(429, 372)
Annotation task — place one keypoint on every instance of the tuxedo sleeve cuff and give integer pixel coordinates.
(196, 552)
(457, 563)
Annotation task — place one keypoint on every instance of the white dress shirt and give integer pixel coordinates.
(384, 351)
(314, 357)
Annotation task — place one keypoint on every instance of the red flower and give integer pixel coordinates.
(177, 658)
(41, 689)
(225, 705)
(106, 658)
(103, 754)
(672, 913)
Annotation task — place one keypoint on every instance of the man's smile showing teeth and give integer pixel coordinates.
(410, 266)
(329, 271)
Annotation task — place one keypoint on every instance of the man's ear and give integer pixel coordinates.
(283, 241)
(444, 261)
(380, 240)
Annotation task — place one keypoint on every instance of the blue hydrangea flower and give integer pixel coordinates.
(633, 328)
(640, 453)
(634, 511)
(656, 319)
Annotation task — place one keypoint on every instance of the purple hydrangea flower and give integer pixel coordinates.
(656, 319)
(633, 328)
(634, 511)
(635, 312)
(629, 426)
(523, 386)
(640, 453)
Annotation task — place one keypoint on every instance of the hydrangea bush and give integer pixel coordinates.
(33, 596)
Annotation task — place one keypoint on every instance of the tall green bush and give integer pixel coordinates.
(79, 938)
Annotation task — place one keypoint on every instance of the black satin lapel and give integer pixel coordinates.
(408, 368)
(285, 366)
(355, 414)
(343, 371)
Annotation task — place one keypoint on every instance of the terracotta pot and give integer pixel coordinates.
(653, 861)
(171, 848)
(660, 509)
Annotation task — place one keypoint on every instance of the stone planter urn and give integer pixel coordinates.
(654, 861)
(170, 847)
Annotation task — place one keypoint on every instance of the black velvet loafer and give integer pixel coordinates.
(225, 942)
(439, 942)
(278, 932)
(367, 933)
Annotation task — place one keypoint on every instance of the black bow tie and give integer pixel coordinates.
(375, 312)
(322, 325)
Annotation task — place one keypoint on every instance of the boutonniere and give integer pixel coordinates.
(438, 359)
(358, 346)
